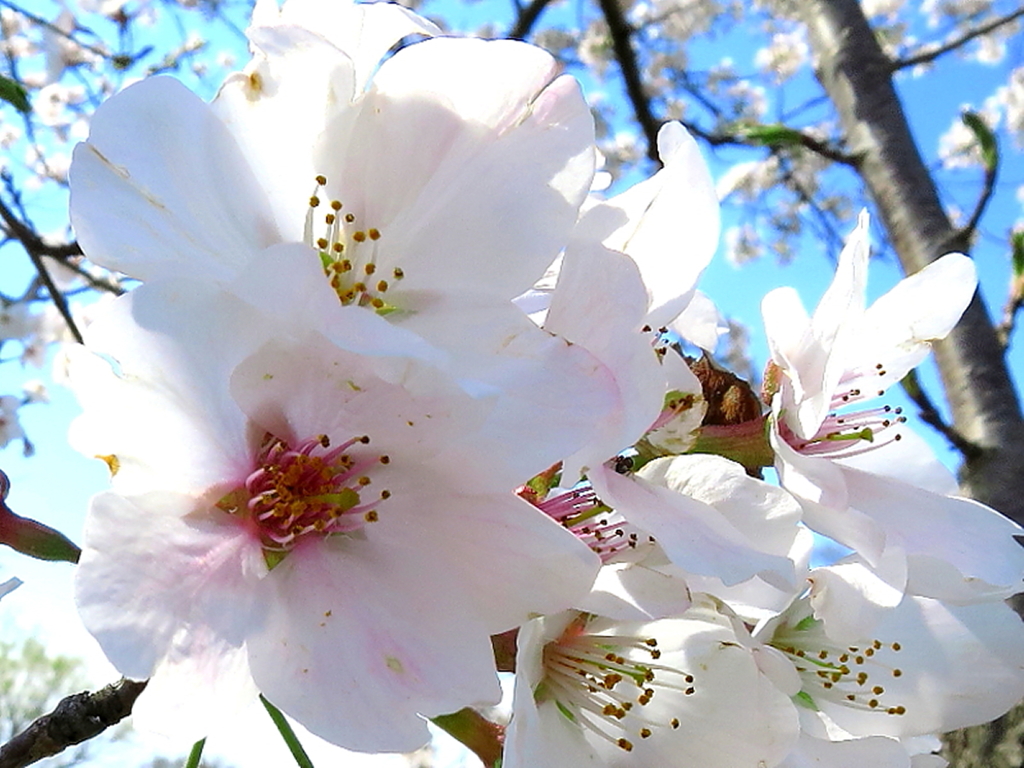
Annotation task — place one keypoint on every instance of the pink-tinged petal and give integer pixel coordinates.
(278, 107)
(155, 354)
(359, 641)
(161, 187)
(976, 539)
(599, 303)
(201, 688)
(959, 666)
(896, 330)
(695, 536)
(172, 587)
(435, 164)
(875, 751)
(850, 599)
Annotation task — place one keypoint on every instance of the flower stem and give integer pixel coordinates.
(196, 754)
(301, 758)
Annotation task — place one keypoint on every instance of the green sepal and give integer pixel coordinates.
(484, 738)
(803, 699)
(34, 539)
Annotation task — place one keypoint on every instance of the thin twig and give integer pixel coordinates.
(621, 34)
(952, 45)
(75, 719)
(31, 241)
(930, 415)
(526, 19)
(55, 29)
(828, 151)
(989, 187)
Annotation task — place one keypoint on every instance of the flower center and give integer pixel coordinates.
(854, 676)
(846, 433)
(603, 682)
(348, 254)
(309, 489)
(594, 523)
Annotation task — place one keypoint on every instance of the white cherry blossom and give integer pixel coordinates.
(335, 529)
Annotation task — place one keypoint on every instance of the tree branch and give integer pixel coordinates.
(621, 34)
(76, 718)
(929, 56)
(32, 244)
(527, 18)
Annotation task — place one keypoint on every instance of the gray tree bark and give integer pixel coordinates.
(857, 76)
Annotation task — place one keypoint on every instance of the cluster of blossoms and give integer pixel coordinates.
(380, 312)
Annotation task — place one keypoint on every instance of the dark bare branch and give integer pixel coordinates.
(76, 718)
(526, 19)
(622, 43)
(33, 245)
(930, 55)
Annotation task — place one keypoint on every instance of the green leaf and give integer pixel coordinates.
(1017, 243)
(773, 135)
(298, 753)
(987, 142)
(14, 94)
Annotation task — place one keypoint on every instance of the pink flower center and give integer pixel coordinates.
(590, 520)
(309, 489)
(348, 254)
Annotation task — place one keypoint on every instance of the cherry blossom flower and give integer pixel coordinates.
(592, 690)
(334, 529)
(407, 189)
(862, 478)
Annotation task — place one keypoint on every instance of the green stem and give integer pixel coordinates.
(196, 754)
(301, 758)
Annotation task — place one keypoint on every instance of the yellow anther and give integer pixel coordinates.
(382, 286)
(359, 236)
(374, 233)
(314, 201)
(321, 180)
(370, 269)
(322, 243)
(336, 205)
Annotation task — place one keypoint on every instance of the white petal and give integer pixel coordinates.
(599, 304)
(896, 330)
(161, 188)
(851, 598)
(695, 536)
(435, 163)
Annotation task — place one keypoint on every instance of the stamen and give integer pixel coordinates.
(854, 676)
(361, 254)
(603, 681)
(307, 489)
(594, 523)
